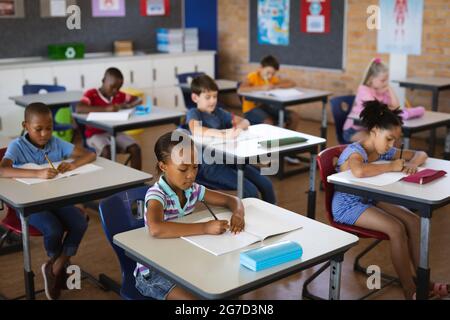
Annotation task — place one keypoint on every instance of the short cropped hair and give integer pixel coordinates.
(37, 108)
(203, 83)
(270, 61)
(114, 72)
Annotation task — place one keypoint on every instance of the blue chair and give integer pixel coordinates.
(117, 216)
(340, 114)
(183, 78)
(36, 88)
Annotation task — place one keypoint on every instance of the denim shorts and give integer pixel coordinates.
(259, 114)
(154, 285)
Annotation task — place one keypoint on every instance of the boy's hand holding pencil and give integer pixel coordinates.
(66, 166)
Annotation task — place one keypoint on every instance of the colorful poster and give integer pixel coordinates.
(273, 22)
(155, 7)
(315, 16)
(108, 8)
(400, 26)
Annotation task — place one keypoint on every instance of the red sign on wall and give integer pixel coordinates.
(315, 16)
(155, 7)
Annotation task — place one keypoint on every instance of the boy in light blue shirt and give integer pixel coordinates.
(63, 228)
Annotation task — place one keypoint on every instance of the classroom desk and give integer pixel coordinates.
(248, 151)
(157, 116)
(435, 85)
(225, 86)
(29, 199)
(431, 120)
(222, 277)
(309, 95)
(423, 198)
(51, 99)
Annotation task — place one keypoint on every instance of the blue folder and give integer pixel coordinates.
(271, 255)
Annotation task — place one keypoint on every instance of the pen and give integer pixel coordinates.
(206, 205)
(49, 162)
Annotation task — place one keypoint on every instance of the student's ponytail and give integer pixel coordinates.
(374, 68)
(378, 115)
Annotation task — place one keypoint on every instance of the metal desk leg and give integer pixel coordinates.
(324, 125)
(113, 148)
(447, 145)
(423, 272)
(28, 273)
(240, 181)
(335, 278)
(434, 107)
(312, 187)
(406, 142)
(281, 117)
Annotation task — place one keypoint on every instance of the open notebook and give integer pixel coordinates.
(244, 135)
(379, 180)
(121, 115)
(81, 170)
(284, 93)
(259, 224)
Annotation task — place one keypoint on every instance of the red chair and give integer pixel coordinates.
(13, 225)
(327, 160)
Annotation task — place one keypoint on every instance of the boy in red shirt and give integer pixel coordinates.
(108, 98)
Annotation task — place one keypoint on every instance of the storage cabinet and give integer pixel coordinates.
(155, 74)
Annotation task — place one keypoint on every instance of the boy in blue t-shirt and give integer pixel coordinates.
(62, 228)
(210, 120)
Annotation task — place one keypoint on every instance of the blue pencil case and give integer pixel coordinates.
(271, 255)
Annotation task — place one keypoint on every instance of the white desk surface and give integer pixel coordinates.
(307, 94)
(113, 174)
(156, 114)
(251, 148)
(218, 276)
(51, 98)
(223, 84)
(430, 81)
(435, 192)
(429, 118)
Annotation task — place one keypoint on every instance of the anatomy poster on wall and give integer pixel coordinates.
(315, 16)
(400, 26)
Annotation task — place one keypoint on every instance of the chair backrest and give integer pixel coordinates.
(326, 161)
(117, 217)
(341, 107)
(36, 88)
(183, 78)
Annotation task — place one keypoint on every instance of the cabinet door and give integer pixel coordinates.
(163, 73)
(38, 75)
(205, 64)
(168, 97)
(184, 65)
(11, 84)
(68, 76)
(92, 75)
(141, 73)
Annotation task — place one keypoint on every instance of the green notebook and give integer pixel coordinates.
(282, 142)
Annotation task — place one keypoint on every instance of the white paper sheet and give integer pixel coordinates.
(121, 115)
(285, 93)
(87, 168)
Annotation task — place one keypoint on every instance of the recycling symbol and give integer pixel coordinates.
(70, 53)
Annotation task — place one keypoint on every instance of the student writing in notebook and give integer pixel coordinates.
(265, 79)
(108, 98)
(401, 225)
(63, 228)
(208, 119)
(175, 195)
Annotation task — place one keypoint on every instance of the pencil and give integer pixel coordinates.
(206, 205)
(49, 162)
(401, 151)
(233, 121)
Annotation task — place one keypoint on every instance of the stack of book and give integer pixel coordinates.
(171, 40)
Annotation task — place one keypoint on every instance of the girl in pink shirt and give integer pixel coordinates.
(375, 86)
